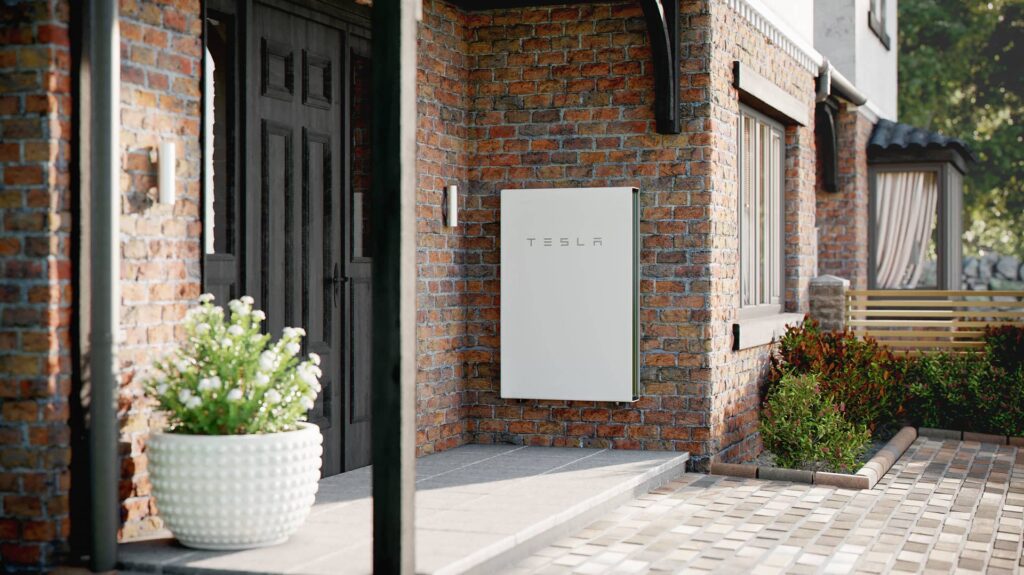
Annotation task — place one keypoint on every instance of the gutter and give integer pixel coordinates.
(104, 157)
(832, 82)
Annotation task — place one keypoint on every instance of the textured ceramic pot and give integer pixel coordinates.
(235, 491)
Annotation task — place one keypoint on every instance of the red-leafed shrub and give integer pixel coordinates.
(863, 378)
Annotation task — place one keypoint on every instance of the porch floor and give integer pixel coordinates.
(478, 508)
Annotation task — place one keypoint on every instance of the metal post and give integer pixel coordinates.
(394, 290)
(104, 157)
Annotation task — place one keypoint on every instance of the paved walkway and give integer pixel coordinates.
(946, 506)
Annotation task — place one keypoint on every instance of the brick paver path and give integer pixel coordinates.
(946, 506)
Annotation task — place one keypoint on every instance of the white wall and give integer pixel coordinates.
(842, 35)
(835, 33)
(876, 67)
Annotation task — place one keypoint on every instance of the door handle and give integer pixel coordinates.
(335, 283)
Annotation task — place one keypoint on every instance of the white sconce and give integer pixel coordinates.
(166, 161)
(452, 217)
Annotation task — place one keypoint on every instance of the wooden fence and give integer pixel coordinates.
(930, 321)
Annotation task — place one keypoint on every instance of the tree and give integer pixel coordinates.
(960, 67)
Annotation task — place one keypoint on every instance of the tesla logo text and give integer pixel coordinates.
(565, 242)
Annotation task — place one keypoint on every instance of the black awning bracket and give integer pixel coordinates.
(663, 29)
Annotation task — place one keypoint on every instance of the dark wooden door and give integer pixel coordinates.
(358, 256)
(302, 263)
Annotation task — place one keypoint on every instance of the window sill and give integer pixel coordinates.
(754, 332)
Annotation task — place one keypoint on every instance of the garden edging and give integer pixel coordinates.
(972, 436)
(865, 478)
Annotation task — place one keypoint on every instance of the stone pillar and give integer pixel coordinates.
(828, 302)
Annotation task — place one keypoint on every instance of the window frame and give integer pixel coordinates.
(221, 271)
(878, 22)
(761, 308)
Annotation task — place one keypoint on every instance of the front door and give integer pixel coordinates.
(307, 261)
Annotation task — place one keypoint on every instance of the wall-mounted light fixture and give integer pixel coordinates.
(165, 159)
(452, 217)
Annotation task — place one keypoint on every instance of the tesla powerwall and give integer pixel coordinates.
(569, 294)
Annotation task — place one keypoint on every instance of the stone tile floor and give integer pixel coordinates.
(476, 505)
(946, 506)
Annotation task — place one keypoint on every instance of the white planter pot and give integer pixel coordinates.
(235, 491)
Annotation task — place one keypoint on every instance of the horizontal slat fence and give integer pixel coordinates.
(930, 321)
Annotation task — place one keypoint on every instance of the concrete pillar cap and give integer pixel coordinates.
(830, 280)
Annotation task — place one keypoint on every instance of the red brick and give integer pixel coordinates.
(21, 554)
(22, 506)
(39, 530)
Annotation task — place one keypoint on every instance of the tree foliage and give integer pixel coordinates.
(960, 66)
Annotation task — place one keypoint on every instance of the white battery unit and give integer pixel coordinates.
(569, 294)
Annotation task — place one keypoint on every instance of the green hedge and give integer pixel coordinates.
(871, 386)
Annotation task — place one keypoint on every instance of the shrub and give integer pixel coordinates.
(863, 378)
(225, 379)
(981, 391)
(944, 390)
(803, 428)
(1005, 346)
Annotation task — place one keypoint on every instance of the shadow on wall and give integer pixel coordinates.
(141, 171)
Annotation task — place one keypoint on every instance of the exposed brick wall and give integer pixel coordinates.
(160, 274)
(734, 393)
(443, 271)
(843, 216)
(554, 96)
(35, 289)
(563, 97)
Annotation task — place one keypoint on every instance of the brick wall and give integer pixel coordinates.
(35, 289)
(555, 96)
(843, 216)
(443, 269)
(735, 374)
(160, 274)
(563, 97)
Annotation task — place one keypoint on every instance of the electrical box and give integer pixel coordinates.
(570, 287)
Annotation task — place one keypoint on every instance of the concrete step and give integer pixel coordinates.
(479, 508)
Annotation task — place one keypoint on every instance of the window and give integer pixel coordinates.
(760, 213)
(877, 21)
(220, 97)
(222, 248)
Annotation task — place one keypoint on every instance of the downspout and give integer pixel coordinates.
(104, 156)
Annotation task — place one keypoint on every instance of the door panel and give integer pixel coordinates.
(297, 188)
(276, 185)
(358, 255)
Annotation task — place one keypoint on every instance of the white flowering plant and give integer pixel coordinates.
(228, 378)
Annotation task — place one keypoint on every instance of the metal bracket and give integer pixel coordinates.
(662, 18)
(663, 28)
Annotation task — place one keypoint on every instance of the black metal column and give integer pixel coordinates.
(394, 292)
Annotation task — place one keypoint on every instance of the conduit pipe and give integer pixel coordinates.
(104, 157)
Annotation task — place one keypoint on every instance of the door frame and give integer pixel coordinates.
(352, 20)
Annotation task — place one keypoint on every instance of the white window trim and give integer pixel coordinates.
(748, 312)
